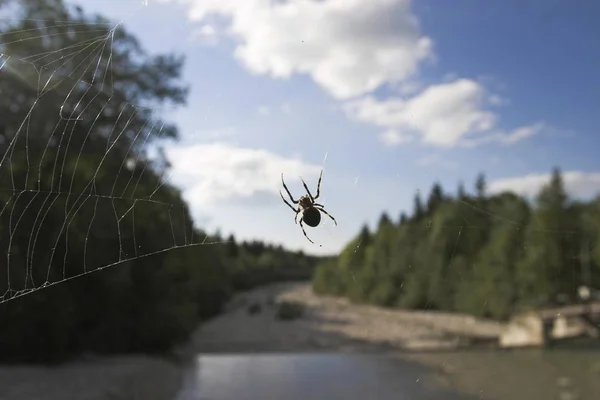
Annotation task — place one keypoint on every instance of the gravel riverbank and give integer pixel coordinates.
(249, 324)
(330, 323)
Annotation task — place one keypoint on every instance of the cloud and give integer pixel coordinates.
(577, 183)
(519, 134)
(497, 100)
(215, 173)
(444, 115)
(352, 47)
(510, 137)
(348, 47)
(392, 138)
(206, 35)
(264, 111)
(436, 160)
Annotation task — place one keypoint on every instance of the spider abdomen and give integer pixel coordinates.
(311, 217)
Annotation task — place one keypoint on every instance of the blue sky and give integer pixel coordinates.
(387, 95)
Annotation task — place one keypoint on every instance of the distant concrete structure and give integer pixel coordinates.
(539, 328)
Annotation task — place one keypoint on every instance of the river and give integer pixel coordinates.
(334, 351)
(309, 376)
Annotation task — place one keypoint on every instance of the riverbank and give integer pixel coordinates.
(333, 324)
(327, 324)
(102, 378)
(440, 341)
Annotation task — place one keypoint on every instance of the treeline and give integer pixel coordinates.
(485, 255)
(85, 213)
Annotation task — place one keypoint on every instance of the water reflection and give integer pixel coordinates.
(309, 376)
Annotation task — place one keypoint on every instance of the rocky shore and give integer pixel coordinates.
(252, 322)
(326, 324)
(331, 324)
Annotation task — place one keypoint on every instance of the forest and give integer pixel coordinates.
(487, 255)
(85, 213)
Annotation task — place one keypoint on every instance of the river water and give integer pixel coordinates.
(309, 376)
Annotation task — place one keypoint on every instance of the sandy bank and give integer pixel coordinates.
(328, 324)
(332, 323)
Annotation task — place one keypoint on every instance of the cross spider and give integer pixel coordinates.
(307, 207)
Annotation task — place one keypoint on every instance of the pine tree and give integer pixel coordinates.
(232, 247)
(419, 210)
(403, 218)
(436, 197)
(384, 220)
(461, 194)
(481, 186)
(546, 270)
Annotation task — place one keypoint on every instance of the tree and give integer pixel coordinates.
(418, 207)
(546, 271)
(489, 289)
(80, 163)
(403, 218)
(384, 220)
(84, 196)
(232, 247)
(461, 194)
(553, 195)
(436, 197)
(480, 186)
(493, 259)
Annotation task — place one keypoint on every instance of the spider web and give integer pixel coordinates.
(31, 200)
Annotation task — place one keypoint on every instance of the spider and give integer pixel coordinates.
(307, 207)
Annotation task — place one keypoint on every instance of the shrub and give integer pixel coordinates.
(288, 310)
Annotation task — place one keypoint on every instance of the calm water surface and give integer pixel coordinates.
(308, 376)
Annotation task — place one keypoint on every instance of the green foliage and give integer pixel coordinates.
(418, 207)
(80, 194)
(485, 255)
(436, 197)
(480, 186)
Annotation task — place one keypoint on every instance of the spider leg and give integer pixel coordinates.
(307, 191)
(286, 202)
(319, 185)
(303, 231)
(319, 205)
(288, 191)
(326, 213)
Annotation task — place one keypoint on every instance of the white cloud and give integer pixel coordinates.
(352, 47)
(392, 138)
(445, 115)
(410, 87)
(577, 183)
(508, 138)
(348, 47)
(264, 111)
(436, 160)
(206, 34)
(215, 173)
(497, 100)
(521, 133)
